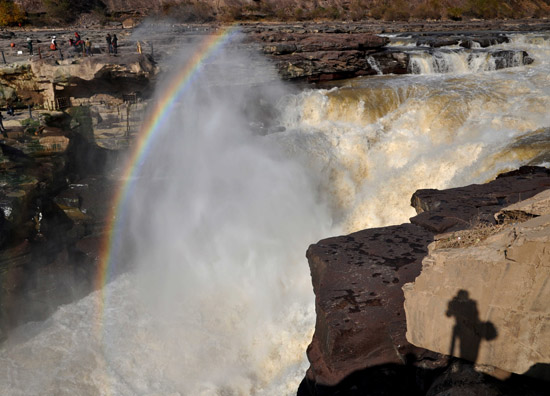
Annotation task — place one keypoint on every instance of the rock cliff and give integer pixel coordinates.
(357, 280)
(487, 302)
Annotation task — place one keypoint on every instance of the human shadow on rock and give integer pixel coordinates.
(468, 330)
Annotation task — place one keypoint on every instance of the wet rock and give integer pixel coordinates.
(437, 42)
(485, 41)
(332, 42)
(87, 202)
(504, 59)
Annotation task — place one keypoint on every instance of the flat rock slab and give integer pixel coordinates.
(357, 281)
(461, 208)
(487, 303)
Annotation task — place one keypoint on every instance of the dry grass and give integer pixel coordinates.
(479, 231)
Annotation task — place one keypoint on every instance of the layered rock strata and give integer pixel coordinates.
(357, 279)
(318, 56)
(49, 204)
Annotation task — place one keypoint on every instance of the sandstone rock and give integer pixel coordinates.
(76, 80)
(53, 144)
(114, 124)
(129, 23)
(88, 202)
(536, 206)
(319, 56)
(487, 303)
(332, 42)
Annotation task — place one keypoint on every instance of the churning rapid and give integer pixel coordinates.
(219, 218)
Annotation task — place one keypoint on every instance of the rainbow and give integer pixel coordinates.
(150, 128)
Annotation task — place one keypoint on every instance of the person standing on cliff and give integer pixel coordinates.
(109, 43)
(29, 45)
(2, 129)
(88, 47)
(114, 42)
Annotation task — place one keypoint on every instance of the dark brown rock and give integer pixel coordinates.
(321, 56)
(339, 42)
(460, 208)
(357, 281)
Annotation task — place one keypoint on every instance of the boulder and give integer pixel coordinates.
(536, 206)
(129, 23)
(357, 282)
(488, 303)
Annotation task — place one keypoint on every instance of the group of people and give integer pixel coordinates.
(82, 46)
(112, 43)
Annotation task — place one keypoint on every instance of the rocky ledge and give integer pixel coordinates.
(485, 299)
(330, 55)
(363, 339)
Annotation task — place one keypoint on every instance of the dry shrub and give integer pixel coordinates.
(10, 13)
(358, 10)
(483, 9)
(394, 13)
(455, 13)
(480, 231)
(542, 12)
(425, 11)
(378, 11)
(325, 13)
(189, 11)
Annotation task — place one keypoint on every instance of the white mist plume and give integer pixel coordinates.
(220, 300)
(221, 220)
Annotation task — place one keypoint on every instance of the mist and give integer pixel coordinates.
(218, 297)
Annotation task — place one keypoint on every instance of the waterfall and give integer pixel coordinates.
(460, 61)
(374, 65)
(220, 300)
